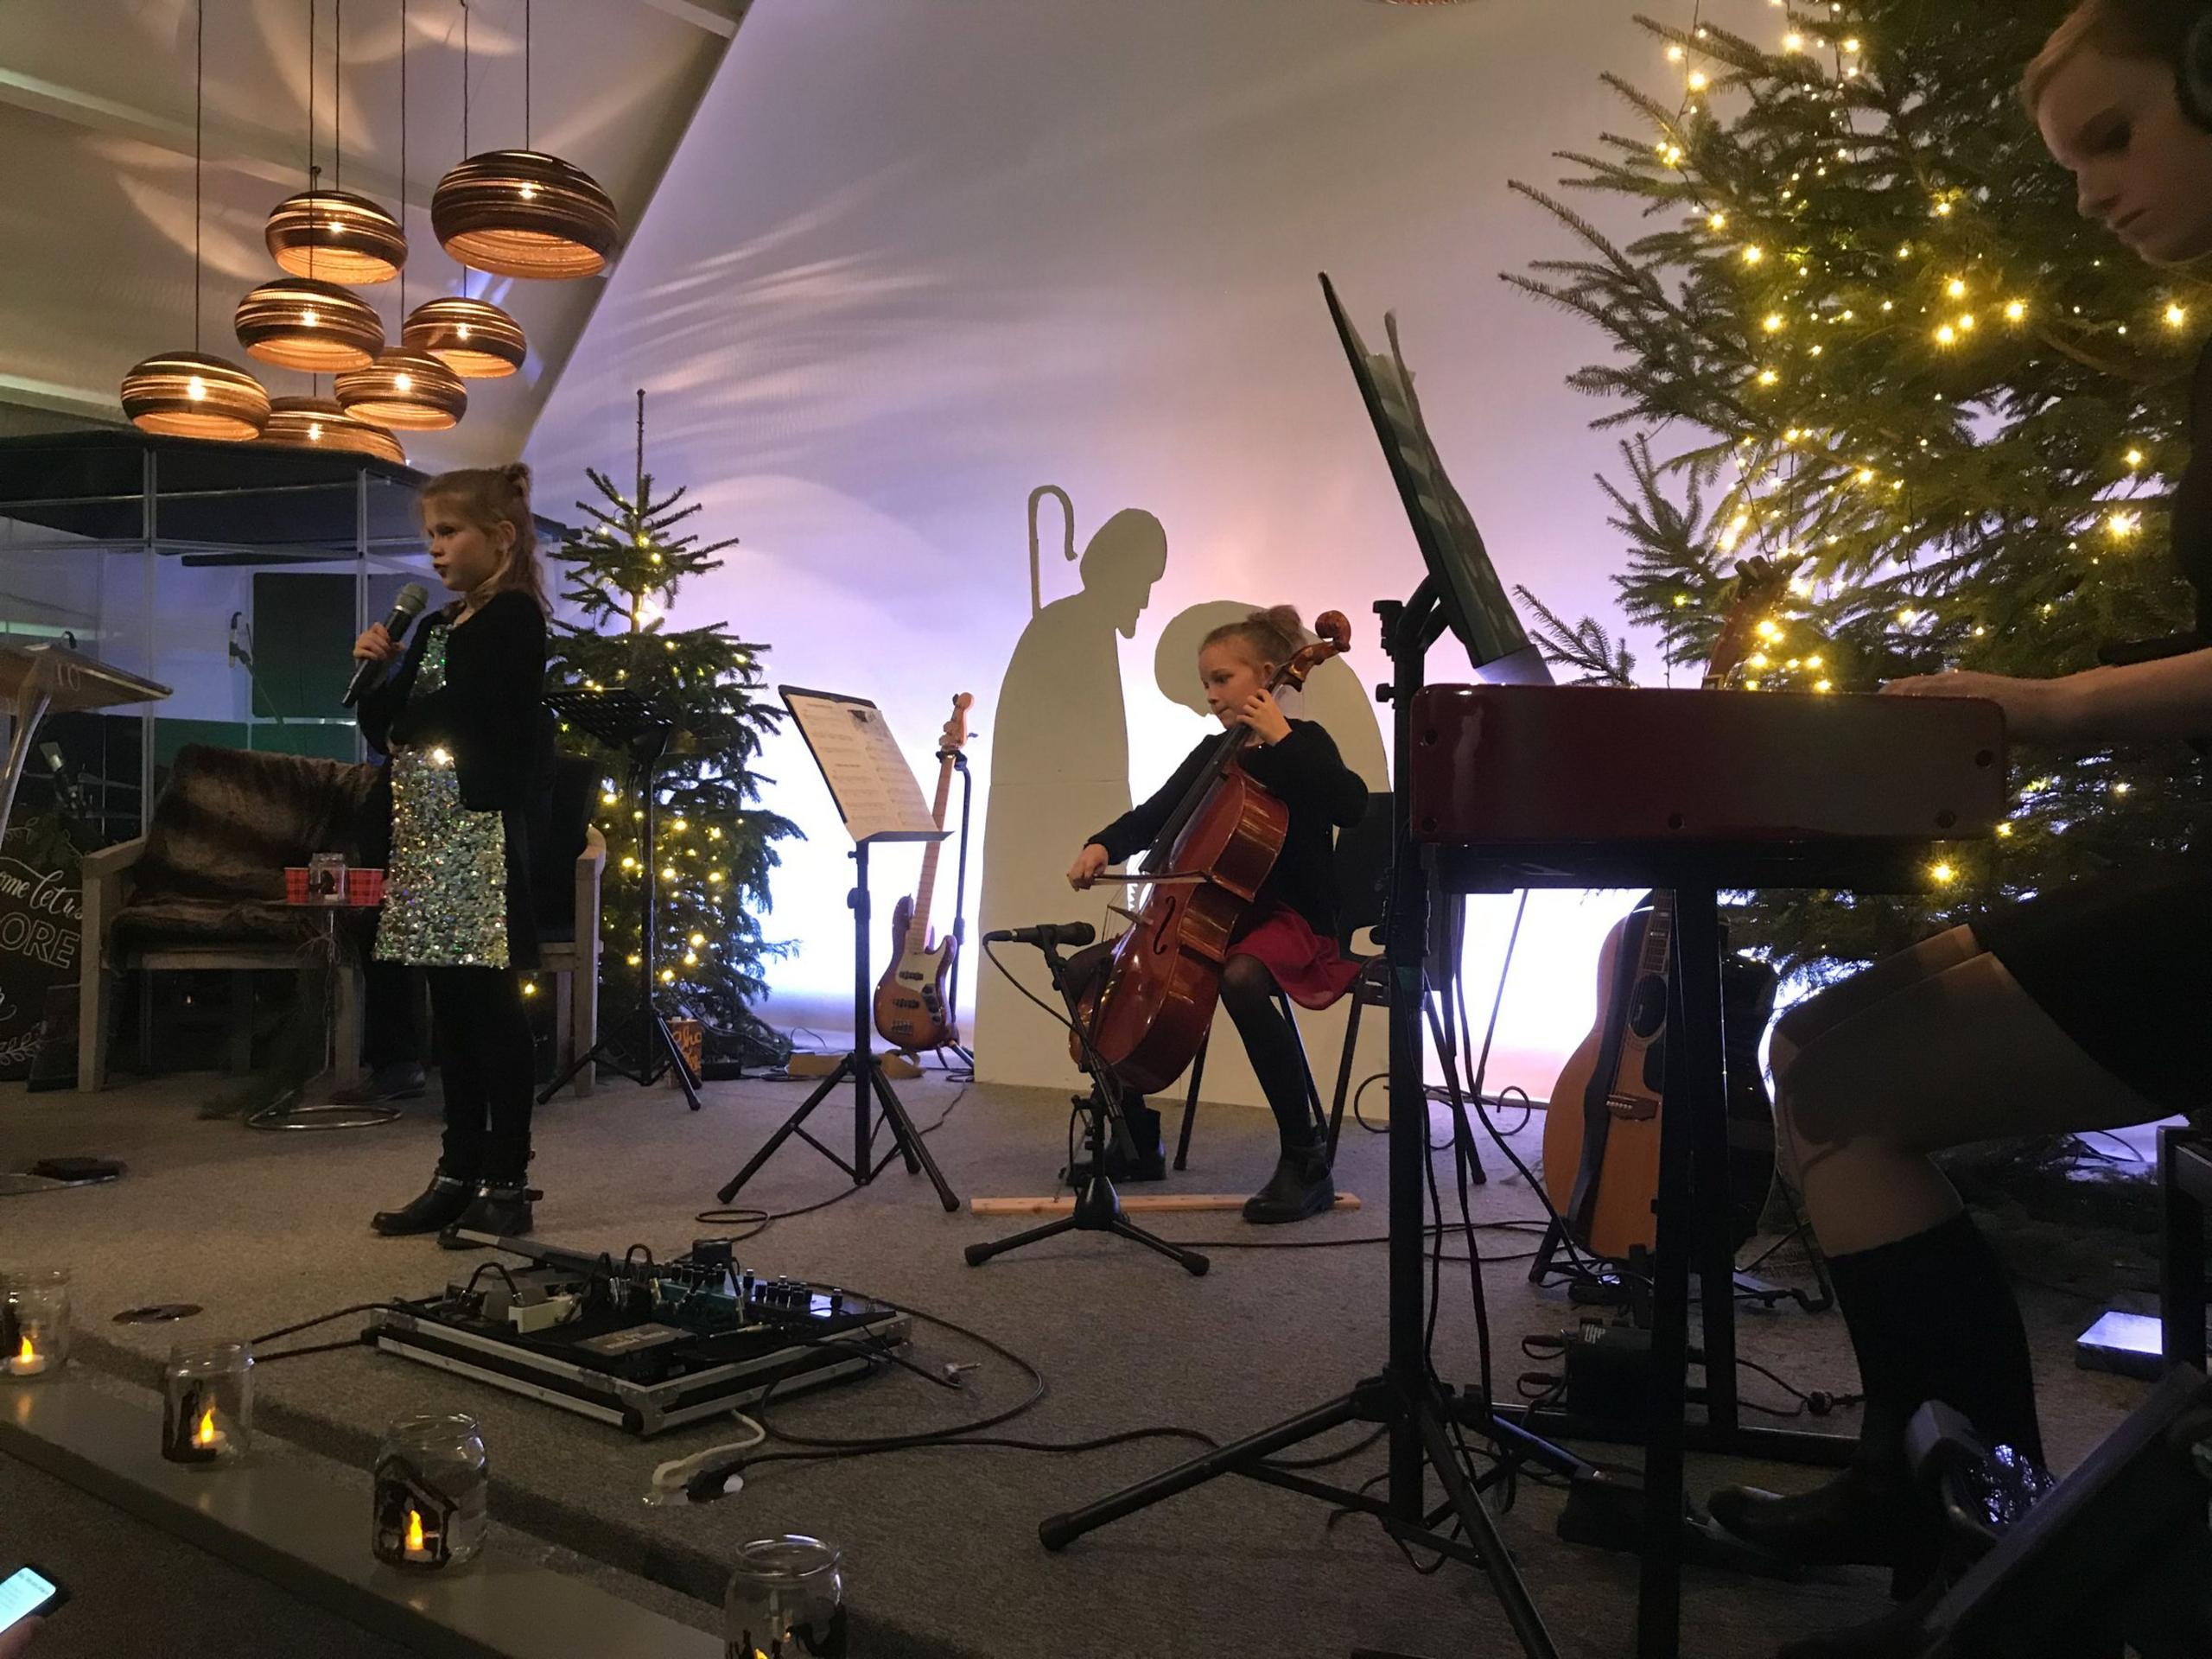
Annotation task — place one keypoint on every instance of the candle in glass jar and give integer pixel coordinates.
(27, 1361)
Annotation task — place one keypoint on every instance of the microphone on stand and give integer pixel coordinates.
(404, 609)
(1046, 935)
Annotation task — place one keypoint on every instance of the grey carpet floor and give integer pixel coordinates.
(266, 1228)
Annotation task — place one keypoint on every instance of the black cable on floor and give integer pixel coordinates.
(757, 1222)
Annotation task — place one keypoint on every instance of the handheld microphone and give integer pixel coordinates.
(1045, 935)
(404, 609)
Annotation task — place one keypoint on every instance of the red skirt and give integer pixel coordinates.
(1304, 963)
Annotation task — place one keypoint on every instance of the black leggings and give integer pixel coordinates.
(489, 1068)
(1247, 992)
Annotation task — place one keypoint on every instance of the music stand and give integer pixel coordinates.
(39, 680)
(637, 1046)
(876, 795)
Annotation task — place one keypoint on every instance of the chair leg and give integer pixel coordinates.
(565, 1029)
(1344, 1072)
(1320, 1122)
(583, 995)
(352, 998)
(95, 1009)
(241, 1051)
(1190, 1107)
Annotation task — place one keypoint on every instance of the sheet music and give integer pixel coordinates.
(1442, 522)
(861, 762)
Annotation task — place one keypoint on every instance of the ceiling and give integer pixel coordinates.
(97, 177)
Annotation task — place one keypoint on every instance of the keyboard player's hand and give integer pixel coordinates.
(2032, 708)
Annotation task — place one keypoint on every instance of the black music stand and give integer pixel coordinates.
(1097, 1205)
(638, 1045)
(845, 760)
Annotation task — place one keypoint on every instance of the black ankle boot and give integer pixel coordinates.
(1931, 1317)
(1869, 1515)
(1299, 1187)
(1150, 1163)
(439, 1202)
(501, 1210)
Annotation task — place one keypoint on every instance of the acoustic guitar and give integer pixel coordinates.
(1601, 1131)
(911, 1009)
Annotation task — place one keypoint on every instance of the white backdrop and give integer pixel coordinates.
(914, 260)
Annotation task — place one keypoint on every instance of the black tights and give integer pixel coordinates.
(1247, 992)
(488, 1065)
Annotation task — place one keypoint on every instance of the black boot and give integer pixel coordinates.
(1931, 1317)
(439, 1202)
(1299, 1187)
(1150, 1163)
(498, 1208)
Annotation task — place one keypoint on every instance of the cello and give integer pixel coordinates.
(1155, 1004)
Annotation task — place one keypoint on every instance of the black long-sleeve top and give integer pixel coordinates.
(491, 713)
(1306, 774)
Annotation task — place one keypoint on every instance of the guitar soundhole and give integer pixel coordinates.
(1647, 1006)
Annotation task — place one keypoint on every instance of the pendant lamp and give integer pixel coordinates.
(521, 213)
(473, 338)
(302, 322)
(406, 390)
(322, 423)
(192, 394)
(334, 233)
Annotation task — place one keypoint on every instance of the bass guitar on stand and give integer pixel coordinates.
(913, 1009)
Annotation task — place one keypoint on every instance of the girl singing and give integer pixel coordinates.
(1288, 936)
(471, 763)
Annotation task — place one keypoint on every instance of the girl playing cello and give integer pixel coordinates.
(1288, 939)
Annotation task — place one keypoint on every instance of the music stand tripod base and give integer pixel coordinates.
(638, 1044)
(863, 1066)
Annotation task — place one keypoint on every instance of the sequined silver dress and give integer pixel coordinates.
(445, 902)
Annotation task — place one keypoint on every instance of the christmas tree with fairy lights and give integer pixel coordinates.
(716, 846)
(1867, 330)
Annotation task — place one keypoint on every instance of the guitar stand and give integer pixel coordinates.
(1097, 1205)
(871, 1087)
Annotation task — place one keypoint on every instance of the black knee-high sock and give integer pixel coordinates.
(1247, 992)
(1933, 1317)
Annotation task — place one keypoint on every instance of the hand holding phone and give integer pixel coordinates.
(26, 1596)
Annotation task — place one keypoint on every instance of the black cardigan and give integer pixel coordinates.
(1305, 773)
(491, 713)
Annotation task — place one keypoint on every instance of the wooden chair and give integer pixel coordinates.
(1362, 866)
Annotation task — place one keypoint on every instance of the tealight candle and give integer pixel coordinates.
(34, 1324)
(207, 1403)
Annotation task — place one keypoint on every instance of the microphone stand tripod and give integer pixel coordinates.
(1097, 1205)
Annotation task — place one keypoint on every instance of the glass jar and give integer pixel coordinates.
(433, 1493)
(787, 1600)
(207, 1403)
(34, 1324)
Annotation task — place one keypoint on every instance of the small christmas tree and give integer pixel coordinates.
(1883, 342)
(716, 846)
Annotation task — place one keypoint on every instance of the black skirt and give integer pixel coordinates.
(2124, 965)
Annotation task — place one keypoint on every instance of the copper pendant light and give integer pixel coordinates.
(301, 322)
(408, 392)
(321, 424)
(473, 338)
(334, 233)
(191, 394)
(521, 213)
(517, 213)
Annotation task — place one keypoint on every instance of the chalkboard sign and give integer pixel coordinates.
(42, 924)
